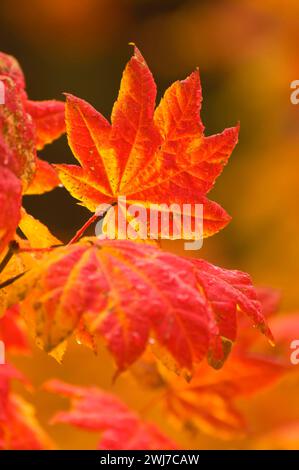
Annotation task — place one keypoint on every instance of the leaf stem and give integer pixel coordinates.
(12, 249)
(92, 219)
(80, 232)
(38, 250)
(10, 281)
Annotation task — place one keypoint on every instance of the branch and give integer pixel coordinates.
(12, 249)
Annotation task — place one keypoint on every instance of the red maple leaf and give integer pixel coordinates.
(19, 428)
(98, 411)
(23, 126)
(132, 294)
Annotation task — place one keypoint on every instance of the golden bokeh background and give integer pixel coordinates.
(247, 53)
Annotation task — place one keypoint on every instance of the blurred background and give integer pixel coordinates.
(247, 54)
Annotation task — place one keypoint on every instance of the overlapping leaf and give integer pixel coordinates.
(17, 157)
(48, 118)
(17, 266)
(13, 332)
(45, 178)
(131, 295)
(150, 156)
(49, 121)
(98, 411)
(23, 126)
(17, 137)
(208, 403)
(19, 428)
(37, 236)
(26, 126)
(228, 292)
(270, 300)
(10, 206)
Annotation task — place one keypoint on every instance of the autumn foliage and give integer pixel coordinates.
(181, 326)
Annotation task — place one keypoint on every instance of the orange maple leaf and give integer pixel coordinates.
(150, 156)
(208, 403)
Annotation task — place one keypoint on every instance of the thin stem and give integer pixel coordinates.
(11, 280)
(38, 250)
(80, 232)
(12, 249)
(92, 219)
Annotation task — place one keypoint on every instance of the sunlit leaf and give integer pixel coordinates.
(132, 294)
(48, 118)
(151, 157)
(99, 411)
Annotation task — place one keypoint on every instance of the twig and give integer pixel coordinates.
(10, 281)
(92, 219)
(12, 249)
(38, 250)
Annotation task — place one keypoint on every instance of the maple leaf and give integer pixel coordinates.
(208, 403)
(19, 429)
(44, 180)
(16, 134)
(98, 411)
(10, 204)
(37, 234)
(285, 327)
(228, 292)
(13, 332)
(17, 158)
(23, 431)
(270, 300)
(23, 254)
(48, 118)
(49, 121)
(150, 156)
(7, 373)
(25, 126)
(17, 265)
(132, 294)
(9, 67)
